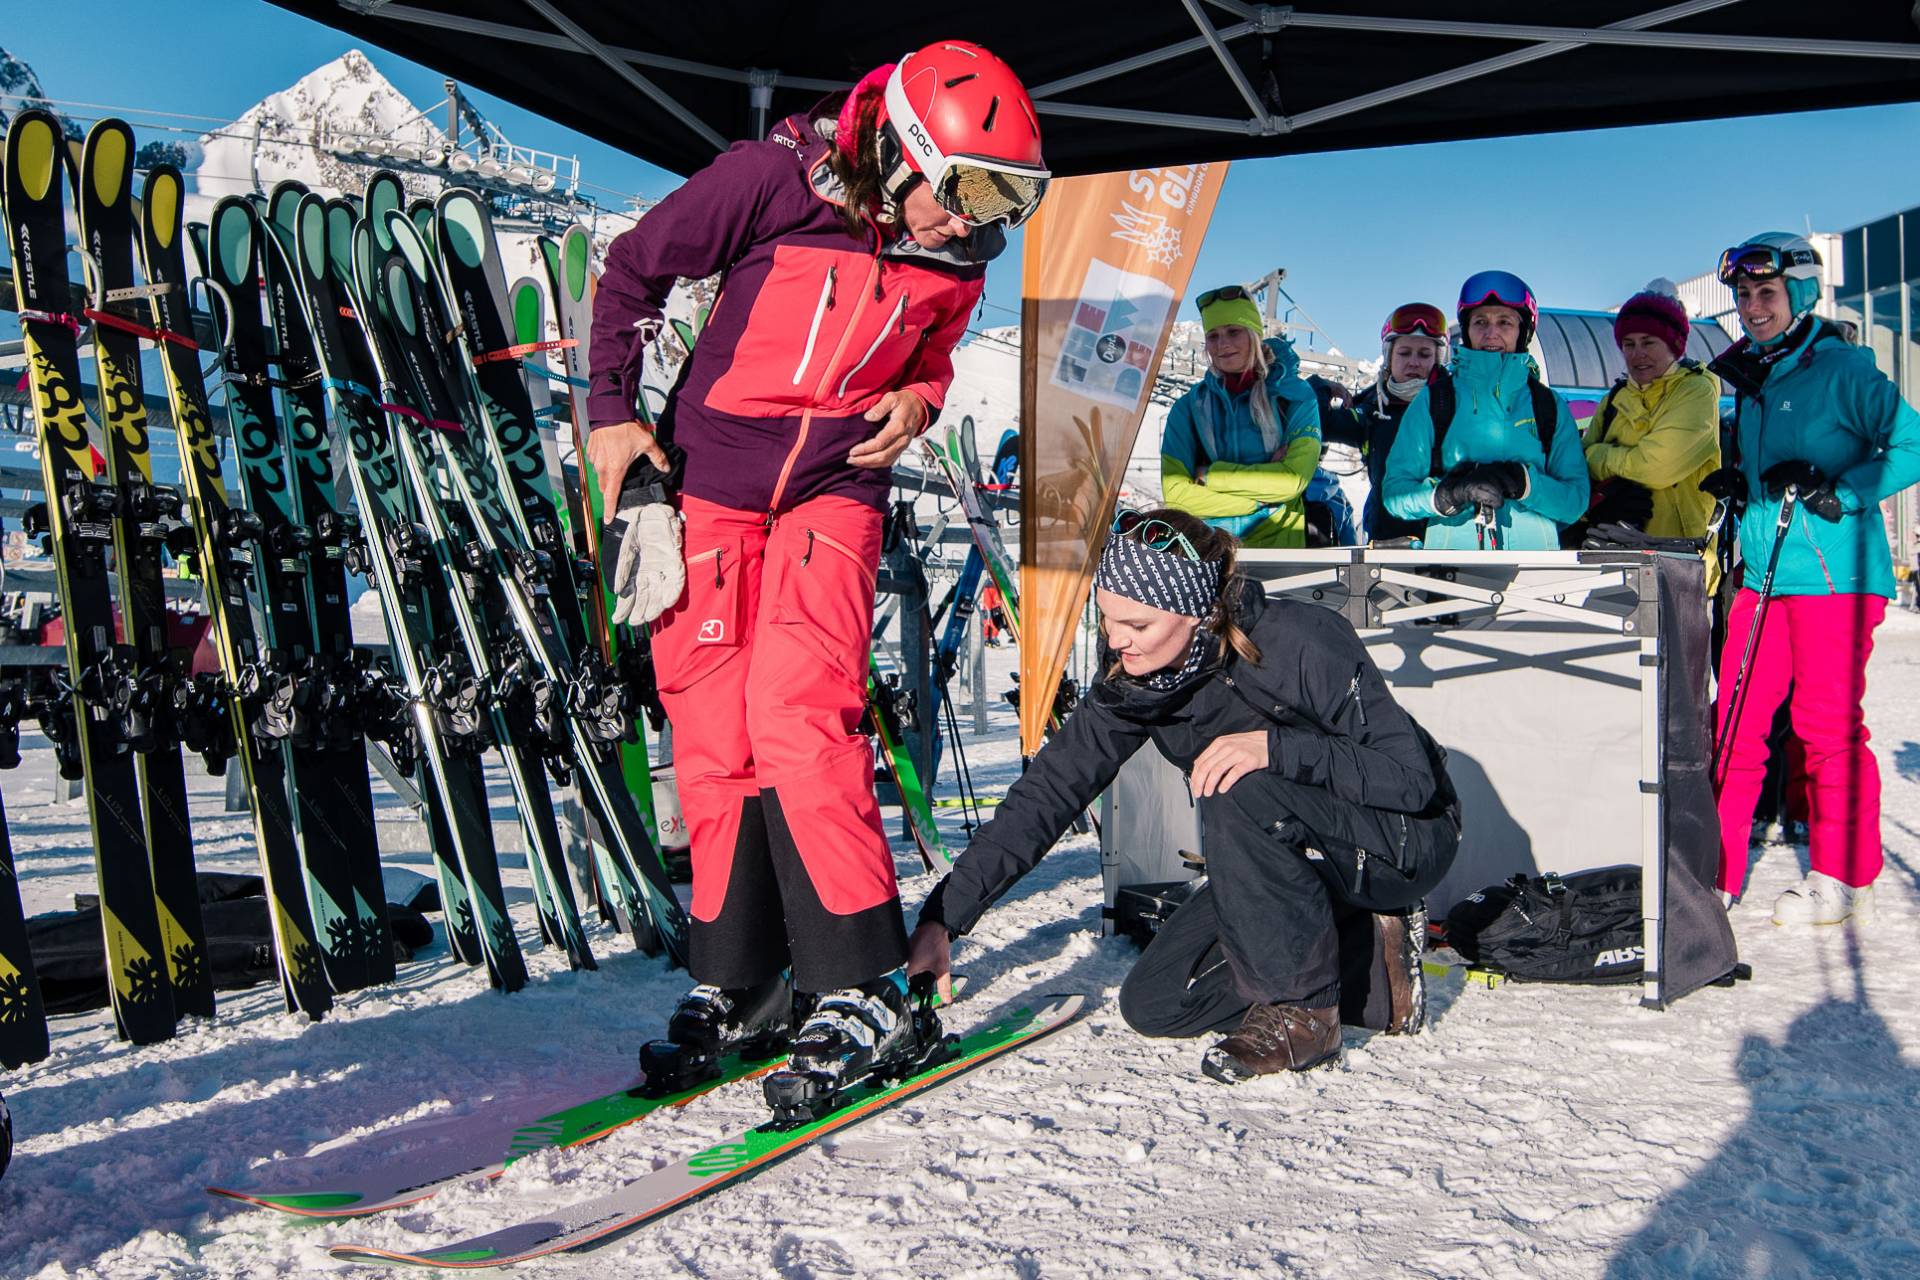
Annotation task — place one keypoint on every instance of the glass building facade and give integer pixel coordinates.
(1877, 288)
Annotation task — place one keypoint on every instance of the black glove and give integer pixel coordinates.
(1508, 478)
(1479, 484)
(1816, 491)
(1618, 501)
(1729, 484)
(1453, 493)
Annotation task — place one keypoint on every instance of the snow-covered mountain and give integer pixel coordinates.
(286, 134)
(299, 133)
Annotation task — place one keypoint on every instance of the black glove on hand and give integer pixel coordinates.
(1509, 480)
(1492, 484)
(1816, 491)
(1618, 501)
(1452, 494)
(1728, 484)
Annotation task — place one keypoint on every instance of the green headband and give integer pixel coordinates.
(1241, 311)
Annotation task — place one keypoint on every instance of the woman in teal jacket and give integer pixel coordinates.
(1241, 446)
(1813, 414)
(1503, 481)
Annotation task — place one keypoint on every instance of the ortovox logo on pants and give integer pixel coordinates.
(713, 631)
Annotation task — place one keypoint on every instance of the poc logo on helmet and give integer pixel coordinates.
(920, 138)
(1619, 956)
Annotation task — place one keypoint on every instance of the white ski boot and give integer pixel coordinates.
(1821, 899)
(872, 1030)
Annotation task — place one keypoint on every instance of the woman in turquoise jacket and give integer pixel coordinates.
(1812, 414)
(1503, 481)
(1241, 446)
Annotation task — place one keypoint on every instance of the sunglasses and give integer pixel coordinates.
(1761, 262)
(1225, 293)
(1154, 533)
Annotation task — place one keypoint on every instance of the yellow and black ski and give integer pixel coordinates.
(78, 519)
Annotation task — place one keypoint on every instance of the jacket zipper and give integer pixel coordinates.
(885, 330)
(820, 310)
(806, 418)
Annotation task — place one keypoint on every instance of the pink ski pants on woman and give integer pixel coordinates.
(1818, 647)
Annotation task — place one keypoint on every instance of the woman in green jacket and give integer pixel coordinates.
(1241, 446)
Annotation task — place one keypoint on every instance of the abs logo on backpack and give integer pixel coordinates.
(1620, 956)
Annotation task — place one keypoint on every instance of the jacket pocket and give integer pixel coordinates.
(698, 637)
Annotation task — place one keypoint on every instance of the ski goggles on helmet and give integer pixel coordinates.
(1416, 319)
(1763, 261)
(1154, 533)
(981, 192)
(1498, 288)
(1225, 293)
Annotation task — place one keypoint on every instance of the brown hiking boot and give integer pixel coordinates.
(1275, 1037)
(1403, 947)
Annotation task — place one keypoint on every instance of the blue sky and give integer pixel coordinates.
(1586, 218)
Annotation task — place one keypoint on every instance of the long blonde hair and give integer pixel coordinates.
(1260, 396)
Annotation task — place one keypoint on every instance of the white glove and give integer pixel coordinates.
(651, 571)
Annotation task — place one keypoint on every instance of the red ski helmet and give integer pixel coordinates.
(960, 118)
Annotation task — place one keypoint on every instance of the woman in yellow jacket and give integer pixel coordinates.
(1657, 432)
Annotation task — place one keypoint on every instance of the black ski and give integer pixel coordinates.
(227, 541)
(23, 1015)
(147, 513)
(331, 818)
(425, 642)
(501, 458)
(340, 678)
(78, 519)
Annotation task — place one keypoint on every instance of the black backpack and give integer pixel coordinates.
(1584, 927)
(1443, 400)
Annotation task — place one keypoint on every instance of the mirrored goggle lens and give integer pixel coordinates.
(982, 195)
(1404, 324)
(1225, 293)
(1757, 261)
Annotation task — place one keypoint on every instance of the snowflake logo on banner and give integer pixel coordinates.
(1151, 232)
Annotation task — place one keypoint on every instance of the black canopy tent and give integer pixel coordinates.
(1155, 82)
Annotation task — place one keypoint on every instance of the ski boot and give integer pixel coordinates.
(876, 1030)
(711, 1023)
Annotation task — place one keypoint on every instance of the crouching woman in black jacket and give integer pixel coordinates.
(1326, 811)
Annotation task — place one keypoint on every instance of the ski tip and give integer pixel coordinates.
(316, 1204)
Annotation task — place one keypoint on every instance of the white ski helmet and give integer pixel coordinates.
(1774, 254)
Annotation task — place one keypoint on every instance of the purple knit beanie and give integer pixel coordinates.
(1654, 311)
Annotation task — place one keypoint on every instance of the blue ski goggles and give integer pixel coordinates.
(1154, 533)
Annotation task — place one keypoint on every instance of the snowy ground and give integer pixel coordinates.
(1762, 1131)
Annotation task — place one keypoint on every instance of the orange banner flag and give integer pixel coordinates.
(1108, 258)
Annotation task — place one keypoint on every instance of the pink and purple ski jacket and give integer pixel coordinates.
(811, 328)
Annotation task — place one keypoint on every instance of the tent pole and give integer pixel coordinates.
(1486, 67)
(1268, 125)
(1701, 41)
(661, 97)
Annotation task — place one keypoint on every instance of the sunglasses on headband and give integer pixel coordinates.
(1154, 533)
(1225, 293)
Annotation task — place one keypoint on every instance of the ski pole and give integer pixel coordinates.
(1488, 532)
(1737, 696)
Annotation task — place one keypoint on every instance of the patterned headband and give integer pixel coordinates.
(1164, 579)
